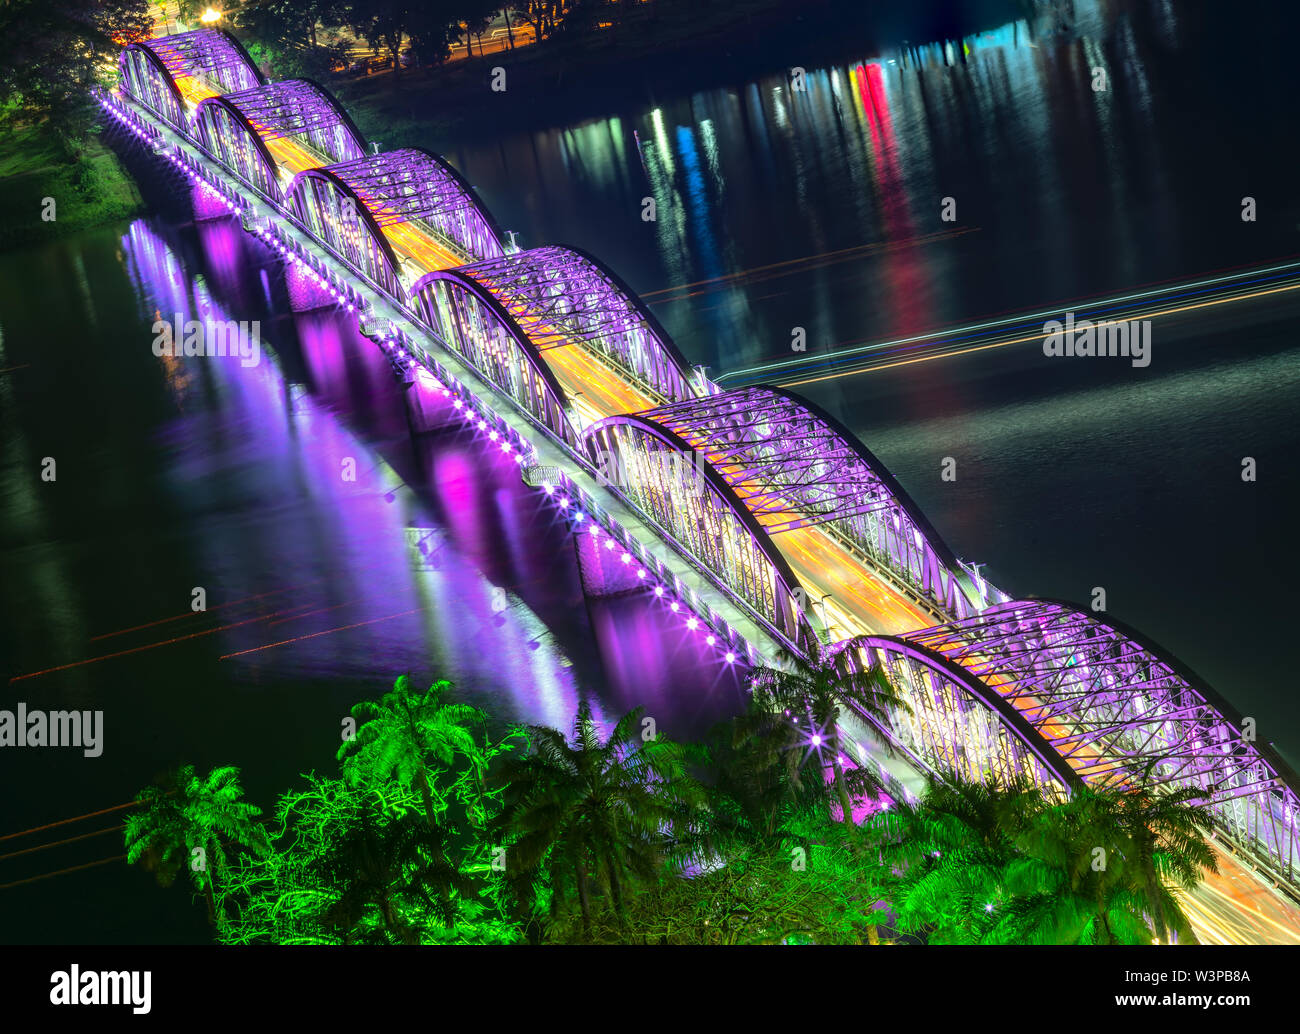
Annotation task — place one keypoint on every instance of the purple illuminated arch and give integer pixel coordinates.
(412, 185)
(796, 466)
(326, 204)
(696, 507)
(297, 109)
(954, 722)
(583, 302)
(209, 54)
(470, 319)
(148, 80)
(1120, 709)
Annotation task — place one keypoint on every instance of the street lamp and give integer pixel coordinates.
(209, 16)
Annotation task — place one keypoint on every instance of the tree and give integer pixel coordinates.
(358, 865)
(942, 861)
(282, 36)
(757, 790)
(592, 811)
(190, 821)
(816, 691)
(540, 14)
(1103, 861)
(477, 16)
(406, 736)
(429, 25)
(57, 50)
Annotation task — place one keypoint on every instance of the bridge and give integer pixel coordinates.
(753, 513)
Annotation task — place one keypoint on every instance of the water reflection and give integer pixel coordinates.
(407, 545)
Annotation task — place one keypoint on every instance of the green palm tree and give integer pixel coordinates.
(186, 813)
(407, 736)
(817, 690)
(1116, 853)
(758, 794)
(381, 861)
(942, 860)
(592, 810)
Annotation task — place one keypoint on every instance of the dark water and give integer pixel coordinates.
(821, 210)
(177, 474)
(173, 474)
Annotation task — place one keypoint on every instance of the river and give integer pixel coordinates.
(775, 210)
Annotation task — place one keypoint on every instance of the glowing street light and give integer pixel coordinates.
(209, 16)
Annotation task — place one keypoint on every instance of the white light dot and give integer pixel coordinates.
(674, 606)
(659, 590)
(692, 624)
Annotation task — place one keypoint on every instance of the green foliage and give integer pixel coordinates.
(438, 834)
(590, 814)
(814, 693)
(404, 737)
(972, 864)
(355, 866)
(195, 823)
(56, 50)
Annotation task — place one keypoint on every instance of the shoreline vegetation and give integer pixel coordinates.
(577, 71)
(440, 828)
(88, 183)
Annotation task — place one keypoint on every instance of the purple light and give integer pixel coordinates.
(730, 657)
(674, 606)
(816, 740)
(692, 624)
(710, 639)
(659, 590)
(640, 572)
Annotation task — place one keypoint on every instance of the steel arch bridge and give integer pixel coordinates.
(560, 296)
(696, 505)
(412, 185)
(240, 128)
(163, 73)
(1029, 687)
(1119, 711)
(953, 721)
(327, 205)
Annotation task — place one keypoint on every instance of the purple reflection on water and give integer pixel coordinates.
(473, 575)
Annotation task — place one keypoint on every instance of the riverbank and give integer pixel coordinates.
(688, 47)
(50, 189)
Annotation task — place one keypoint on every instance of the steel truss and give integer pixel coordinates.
(795, 466)
(327, 207)
(209, 54)
(955, 723)
(1119, 710)
(469, 319)
(301, 110)
(412, 185)
(560, 296)
(706, 518)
